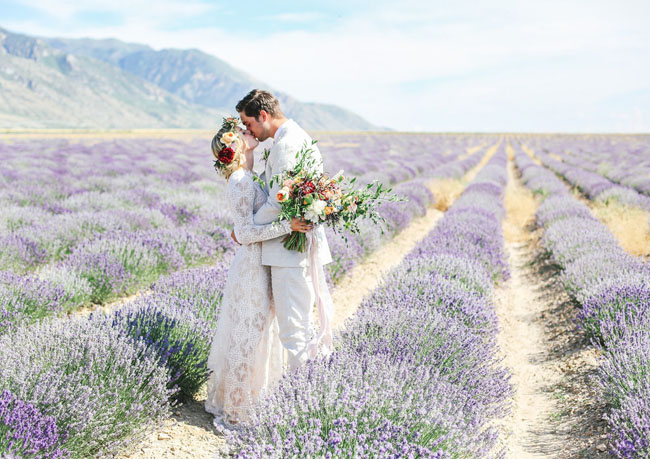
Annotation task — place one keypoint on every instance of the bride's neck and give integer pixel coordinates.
(248, 165)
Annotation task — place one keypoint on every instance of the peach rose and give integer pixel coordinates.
(228, 137)
(283, 194)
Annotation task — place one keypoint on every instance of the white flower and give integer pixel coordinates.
(316, 211)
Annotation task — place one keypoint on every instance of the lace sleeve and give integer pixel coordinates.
(241, 195)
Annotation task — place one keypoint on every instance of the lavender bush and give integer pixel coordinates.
(169, 327)
(97, 383)
(25, 299)
(20, 253)
(25, 432)
(200, 288)
(613, 289)
(415, 373)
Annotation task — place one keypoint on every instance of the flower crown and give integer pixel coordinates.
(228, 140)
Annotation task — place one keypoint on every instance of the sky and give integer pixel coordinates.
(428, 65)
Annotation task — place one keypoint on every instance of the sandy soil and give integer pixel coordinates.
(519, 307)
(108, 307)
(521, 340)
(551, 362)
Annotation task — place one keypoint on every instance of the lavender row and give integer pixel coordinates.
(349, 249)
(392, 158)
(98, 384)
(101, 381)
(148, 184)
(622, 159)
(170, 330)
(613, 289)
(415, 373)
(181, 313)
(594, 185)
(115, 251)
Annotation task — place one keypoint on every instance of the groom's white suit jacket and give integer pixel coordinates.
(288, 140)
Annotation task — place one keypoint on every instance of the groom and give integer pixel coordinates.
(293, 289)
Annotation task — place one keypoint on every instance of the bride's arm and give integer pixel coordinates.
(246, 231)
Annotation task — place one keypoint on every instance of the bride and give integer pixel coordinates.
(246, 354)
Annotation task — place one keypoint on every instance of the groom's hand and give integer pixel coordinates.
(234, 238)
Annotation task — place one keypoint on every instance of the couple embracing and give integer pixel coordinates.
(270, 292)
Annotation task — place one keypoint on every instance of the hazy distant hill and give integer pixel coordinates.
(111, 84)
(43, 87)
(205, 80)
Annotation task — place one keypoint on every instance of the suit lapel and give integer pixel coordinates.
(268, 170)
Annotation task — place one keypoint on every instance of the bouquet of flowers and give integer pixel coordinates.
(322, 199)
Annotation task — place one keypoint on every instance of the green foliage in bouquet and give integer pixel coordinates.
(317, 197)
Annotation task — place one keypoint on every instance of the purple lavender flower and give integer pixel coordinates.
(26, 432)
(415, 373)
(170, 327)
(26, 299)
(99, 384)
(613, 289)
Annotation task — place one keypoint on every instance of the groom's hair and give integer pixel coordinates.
(258, 100)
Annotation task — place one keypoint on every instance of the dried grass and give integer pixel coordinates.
(520, 206)
(445, 192)
(529, 151)
(630, 225)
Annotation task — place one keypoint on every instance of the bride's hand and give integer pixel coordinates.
(300, 225)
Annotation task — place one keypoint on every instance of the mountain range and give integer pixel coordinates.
(110, 84)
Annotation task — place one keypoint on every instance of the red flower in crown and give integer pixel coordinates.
(226, 155)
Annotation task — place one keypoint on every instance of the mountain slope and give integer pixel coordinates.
(202, 79)
(44, 87)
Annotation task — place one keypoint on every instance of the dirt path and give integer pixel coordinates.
(520, 307)
(521, 340)
(550, 360)
(190, 433)
(364, 278)
(630, 225)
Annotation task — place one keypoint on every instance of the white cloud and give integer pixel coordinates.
(305, 16)
(159, 12)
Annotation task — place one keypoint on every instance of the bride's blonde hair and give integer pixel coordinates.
(237, 146)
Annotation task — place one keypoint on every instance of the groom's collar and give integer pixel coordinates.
(280, 132)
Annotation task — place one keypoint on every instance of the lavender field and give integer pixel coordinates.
(114, 251)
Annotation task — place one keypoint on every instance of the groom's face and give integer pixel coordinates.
(257, 126)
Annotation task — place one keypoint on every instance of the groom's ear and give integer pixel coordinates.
(264, 116)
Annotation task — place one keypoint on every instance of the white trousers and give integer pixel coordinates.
(294, 297)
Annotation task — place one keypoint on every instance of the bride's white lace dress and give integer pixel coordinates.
(246, 354)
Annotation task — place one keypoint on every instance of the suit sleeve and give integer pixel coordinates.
(284, 158)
